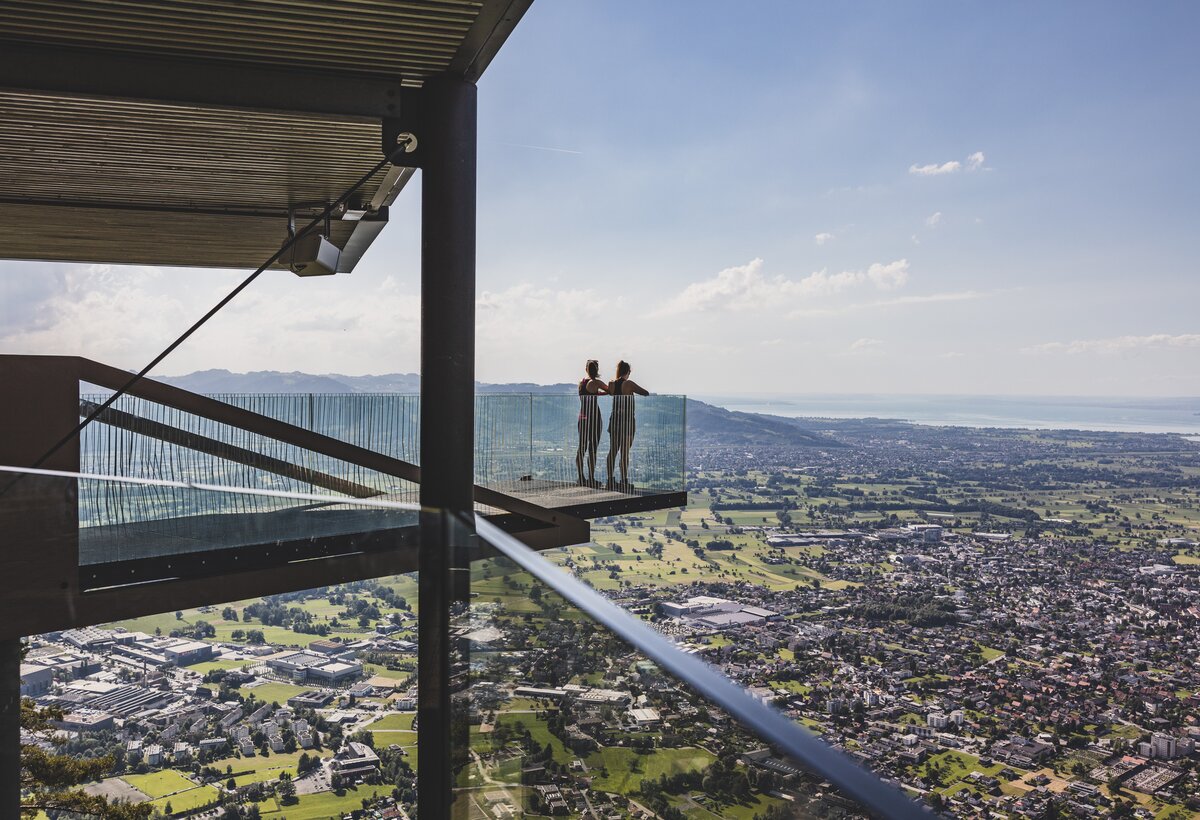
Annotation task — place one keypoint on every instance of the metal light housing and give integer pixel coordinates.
(314, 255)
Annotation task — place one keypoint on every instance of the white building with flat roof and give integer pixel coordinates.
(645, 717)
(35, 679)
(312, 666)
(158, 652)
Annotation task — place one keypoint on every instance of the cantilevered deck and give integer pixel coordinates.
(201, 544)
(172, 496)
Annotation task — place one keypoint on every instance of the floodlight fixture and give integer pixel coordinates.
(312, 254)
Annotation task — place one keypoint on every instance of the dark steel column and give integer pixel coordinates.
(445, 129)
(10, 726)
(39, 521)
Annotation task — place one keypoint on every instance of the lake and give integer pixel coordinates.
(1141, 415)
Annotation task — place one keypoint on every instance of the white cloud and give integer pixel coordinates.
(744, 287)
(98, 311)
(974, 163)
(951, 354)
(934, 169)
(823, 237)
(528, 328)
(865, 343)
(124, 315)
(890, 276)
(934, 219)
(1119, 344)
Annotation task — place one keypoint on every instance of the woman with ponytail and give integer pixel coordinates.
(622, 423)
(590, 389)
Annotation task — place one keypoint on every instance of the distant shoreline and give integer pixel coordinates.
(1117, 415)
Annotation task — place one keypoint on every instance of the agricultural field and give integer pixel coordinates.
(160, 784)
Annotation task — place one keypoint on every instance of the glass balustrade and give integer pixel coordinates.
(567, 699)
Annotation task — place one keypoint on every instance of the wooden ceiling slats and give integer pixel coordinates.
(356, 37)
(141, 178)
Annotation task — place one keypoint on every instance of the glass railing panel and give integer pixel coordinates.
(567, 430)
(524, 443)
(503, 438)
(130, 530)
(135, 520)
(145, 439)
(568, 716)
(387, 423)
(299, 703)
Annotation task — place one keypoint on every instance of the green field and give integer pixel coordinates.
(208, 666)
(324, 805)
(273, 692)
(627, 769)
(159, 784)
(539, 732)
(375, 670)
(257, 768)
(184, 801)
(394, 722)
(758, 804)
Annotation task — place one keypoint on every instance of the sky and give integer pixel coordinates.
(857, 197)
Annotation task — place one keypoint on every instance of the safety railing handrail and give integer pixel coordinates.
(221, 412)
(766, 722)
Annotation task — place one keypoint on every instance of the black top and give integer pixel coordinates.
(589, 408)
(622, 411)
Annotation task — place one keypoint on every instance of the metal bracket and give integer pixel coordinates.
(401, 140)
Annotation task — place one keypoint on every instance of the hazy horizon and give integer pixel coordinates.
(1160, 414)
(868, 198)
(710, 397)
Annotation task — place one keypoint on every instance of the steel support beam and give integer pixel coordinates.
(85, 72)
(445, 127)
(495, 22)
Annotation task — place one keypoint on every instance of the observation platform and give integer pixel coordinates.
(181, 499)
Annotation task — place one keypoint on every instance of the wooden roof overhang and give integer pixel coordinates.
(181, 132)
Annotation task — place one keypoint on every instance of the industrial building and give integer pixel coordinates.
(312, 666)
